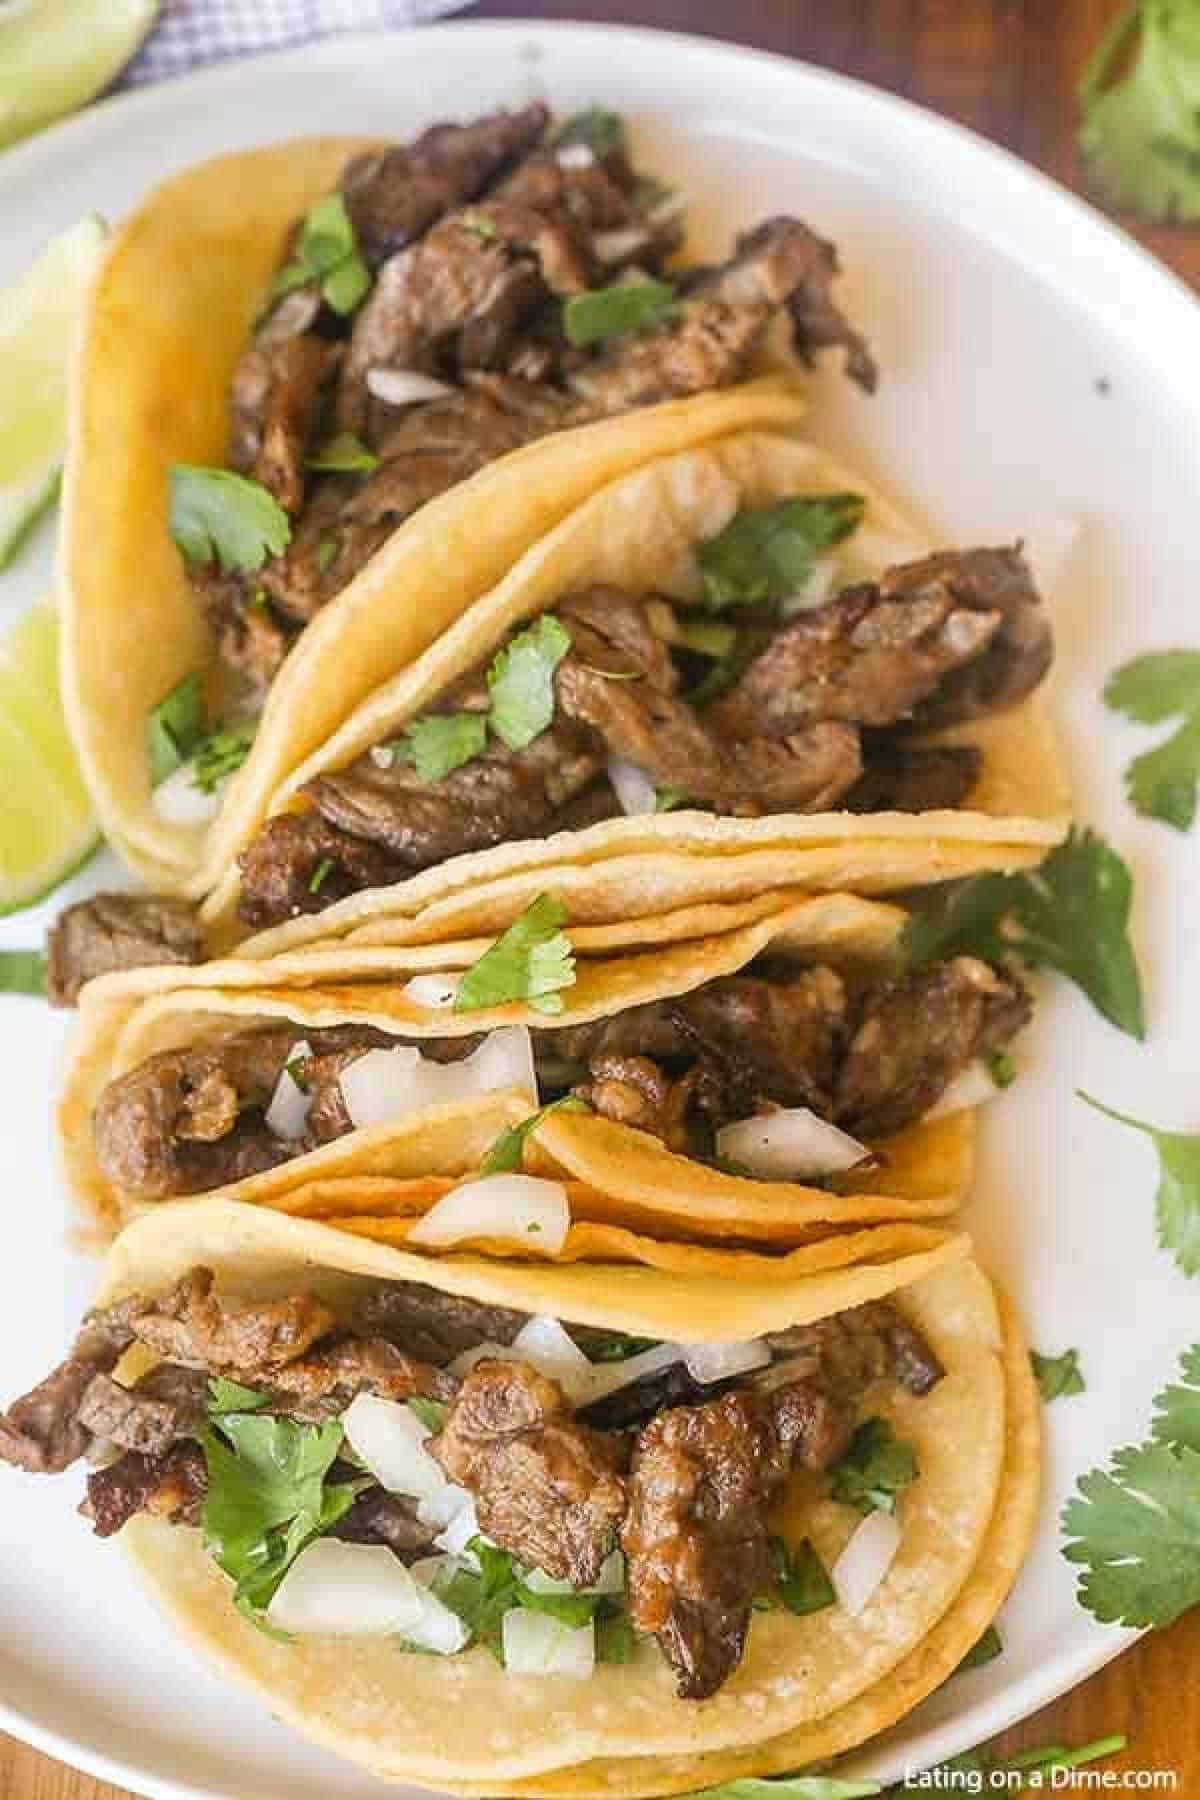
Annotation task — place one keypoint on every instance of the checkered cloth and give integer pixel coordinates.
(190, 33)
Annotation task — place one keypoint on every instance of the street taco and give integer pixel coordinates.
(530, 1535)
(770, 1083)
(742, 628)
(291, 352)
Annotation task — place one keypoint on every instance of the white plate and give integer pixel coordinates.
(1034, 361)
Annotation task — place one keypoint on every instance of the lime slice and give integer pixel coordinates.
(38, 317)
(47, 827)
(55, 54)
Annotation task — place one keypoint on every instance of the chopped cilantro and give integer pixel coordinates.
(706, 637)
(600, 129)
(876, 1467)
(327, 252)
(521, 682)
(481, 224)
(1057, 1376)
(618, 1347)
(320, 875)
(568, 1609)
(1140, 131)
(1162, 783)
(217, 516)
(327, 549)
(616, 1640)
(801, 1578)
(23, 972)
(986, 1650)
(1071, 914)
(176, 727)
(1177, 1202)
(1002, 1068)
(766, 553)
(219, 754)
(443, 742)
(1177, 1408)
(297, 1068)
(258, 599)
(788, 1787)
(531, 961)
(508, 1151)
(230, 1396)
(344, 454)
(1135, 1529)
(668, 798)
(432, 1413)
(611, 311)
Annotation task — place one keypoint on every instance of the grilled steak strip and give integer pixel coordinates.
(117, 931)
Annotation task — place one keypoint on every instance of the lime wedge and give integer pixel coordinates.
(55, 54)
(47, 827)
(38, 317)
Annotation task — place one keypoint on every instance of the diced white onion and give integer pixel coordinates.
(434, 1571)
(384, 1085)
(632, 786)
(404, 387)
(390, 1439)
(431, 990)
(717, 1362)
(607, 1378)
(822, 578)
(439, 1510)
(382, 755)
(178, 801)
(575, 156)
(789, 1144)
(970, 1088)
(464, 1526)
(287, 1115)
(544, 1343)
(536, 1644)
(865, 1561)
(615, 246)
(362, 1589)
(611, 1579)
(520, 1208)
(667, 208)
(1049, 546)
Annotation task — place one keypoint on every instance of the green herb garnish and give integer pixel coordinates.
(219, 754)
(600, 129)
(1162, 783)
(618, 1347)
(1071, 914)
(327, 252)
(986, 1650)
(668, 798)
(1002, 1068)
(616, 1640)
(789, 1787)
(327, 549)
(432, 1413)
(344, 454)
(1177, 1202)
(1177, 1408)
(320, 875)
(1057, 1376)
(611, 311)
(508, 1151)
(176, 727)
(766, 553)
(443, 742)
(531, 961)
(877, 1466)
(230, 1396)
(481, 224)
(801, 1578)
(23, 972)
(521, 682)
(1140, 134)
(217, 516)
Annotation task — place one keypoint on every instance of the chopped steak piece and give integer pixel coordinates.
(764, 1040)
(914, 1035)
(252, 640)
(807, 771)
(783, 262)
(639, 1402)
(299, 863)
(845, 1353)
(324, 1382)
(709, 345)
(395, 193)
(42, 1431)
(276, 400)
(166, 1404)
(900, 777)
(595, 804)
(171, 1486)
(635, 1091)
(434, 1326)
(611, 635)
(249, 1339)
(117, 931)
(814, 1427)
(380, 1518)
(647, 1030)
(546, 1488)
(863, 658)
(1018, 655)
(647, 726)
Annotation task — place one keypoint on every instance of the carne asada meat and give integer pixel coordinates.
(635, 1091)
(1019, 654)
(323, 1383)
(196, 1327)
(546, 1488)
(169, 1402)
(845, 1353)
(902, 777)
(300, 863)
(117, 931)
(434, 1326)
(170, 1486)
(41, 1431)
(276, 400)
(765, 1040)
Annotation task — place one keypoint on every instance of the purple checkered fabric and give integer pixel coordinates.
(190, 33)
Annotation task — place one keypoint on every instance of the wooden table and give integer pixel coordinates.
(1006, 68)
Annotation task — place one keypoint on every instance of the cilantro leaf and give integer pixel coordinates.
(176, 727)
(801, 1578)
(1156, 687)
(344, 454)
(568, 1609)
(320, 875)
(1057, 1376)
(1177, 1201)
(230, 1396)
(508, 1151)
(217, 516)
(521, 682)
(618, 1347)
(219, 754)
(1177, 1408)
(600, 129)
(1002, 1068)
(1162, 783)
(607, 312)
(616, 1640)
(877, 1466)
(443, 742)
(767, 552)
(1071, 914)
(531, 961)
(1136, 1531)
(789, 1787)
(23, 972)
(985, 1650)
(327, 252)
(432, 1413)
(1140, 134)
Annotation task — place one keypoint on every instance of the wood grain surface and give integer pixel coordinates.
(1007, 68)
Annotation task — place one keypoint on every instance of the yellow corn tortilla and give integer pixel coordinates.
(169, 315)
(638, 533)
(466, 1720)
(124, 1020)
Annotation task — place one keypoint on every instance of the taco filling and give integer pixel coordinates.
(454, 299)
(760, 696)
(452, 1473)
(775, 1072)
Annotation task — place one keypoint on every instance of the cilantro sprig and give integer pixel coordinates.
(217, 516)
(801, 1579)
(218, 755)
(344, 454)
(521, 682)
(766, 553)
(985, 1650)
(23, 972)
(483, 1595)
(1162, 783)
(874, 1470)
(1071, 914)
(602, 130)
(442, 742)
(508, 1151)
(1140, 132)
(1177, 1201)
(327, 252)
(176, 727)
(1057, 1376)
(607, 312)
(531, 961)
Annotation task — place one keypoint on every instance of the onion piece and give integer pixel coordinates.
(287, 1115)
(865, 1561)
(382, 1086)
(632, 786)
(520, 1208)
(405, 387)
(178, 801)
(553, 1352)
(971, 1087)
(536, 1644)
(575, 156)
(435, 1571)
(464, 1526)
(717, 1362)
(608, 1378)
(390, 1439)
(614, 246)
(439, 1510)
(431, 990)
(789, 1144)
(362, 1589)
